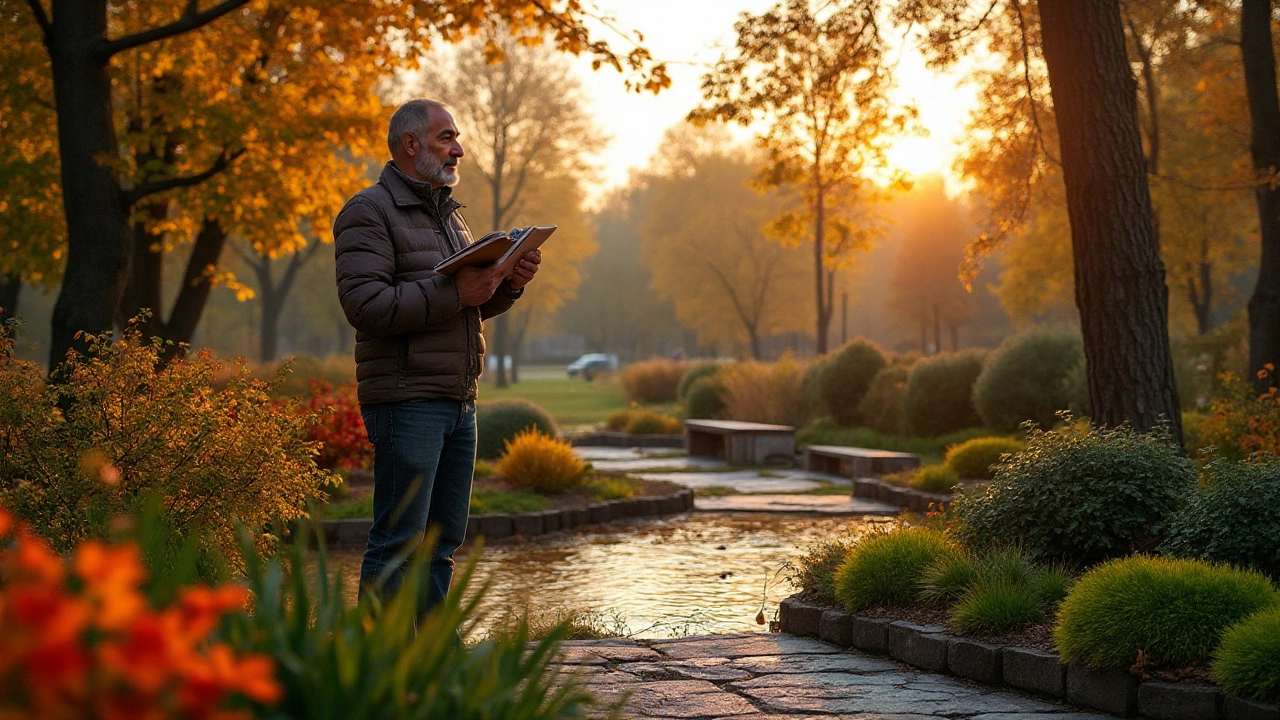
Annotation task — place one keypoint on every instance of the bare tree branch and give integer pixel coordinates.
(42, 18)
(151, 188)
(191, 19)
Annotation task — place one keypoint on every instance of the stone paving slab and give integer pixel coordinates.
(783, 677)
(749, 481)
(601, 452)
(825, 504)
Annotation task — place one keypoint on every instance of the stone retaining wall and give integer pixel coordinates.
(931, 648)
(899, 495)
(495, 526)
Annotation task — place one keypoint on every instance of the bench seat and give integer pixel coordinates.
(855, 462)
(740, 443)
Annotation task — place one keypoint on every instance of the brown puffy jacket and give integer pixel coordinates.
(414, 339)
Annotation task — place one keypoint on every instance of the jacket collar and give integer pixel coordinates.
(407, 192)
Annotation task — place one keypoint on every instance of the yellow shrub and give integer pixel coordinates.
(643, 421)
(533, 461)
(653, 381)
(767, 392)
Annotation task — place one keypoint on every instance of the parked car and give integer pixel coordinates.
(592, 364)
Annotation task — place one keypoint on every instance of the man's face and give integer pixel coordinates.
(438, 155)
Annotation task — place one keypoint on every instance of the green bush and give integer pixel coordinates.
(939, 394)
(1247, 661)
(1173, 610)
(885, 568)
(845, 376)
(706, 398)
(1077, 494)
(935, 479)
(814, 572)
(500, 421)
(1232, 515)
(997, 606)
(882, 405)
(974, 458)
(693, 375)
(949, 577)
(1028, 378)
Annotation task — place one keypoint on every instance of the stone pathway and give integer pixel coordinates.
(775, 677)
(822, 504)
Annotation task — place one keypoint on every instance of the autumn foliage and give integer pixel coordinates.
(79, 639)
(114, 425)
(337, 427)
(1243, 423)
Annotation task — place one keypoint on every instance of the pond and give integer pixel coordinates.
(690, 574)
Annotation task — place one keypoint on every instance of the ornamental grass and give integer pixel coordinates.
(533, 461)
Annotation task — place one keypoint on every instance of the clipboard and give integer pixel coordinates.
(497, 248)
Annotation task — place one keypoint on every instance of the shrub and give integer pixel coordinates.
(706, 398)
(939, 394)
(533, 461)
(949, 577)
(499, 421)
(974, 458)
(814, 572)
(338, 427)
(118, 424)
(651, 422)
(997, 606)
(1243, 423)
(1173, 610)
(935, 479)
(1232, 515)
(694, 374)
(885, 568)
(652, 381)
(882, 407)
(1077, 494)
(845, 377)
(613, 488)
(1027, 378)
(767, 392)
(1247, 661)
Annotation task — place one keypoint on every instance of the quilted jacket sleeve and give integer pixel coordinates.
(373, 303)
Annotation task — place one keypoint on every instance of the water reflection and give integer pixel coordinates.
(701, 573)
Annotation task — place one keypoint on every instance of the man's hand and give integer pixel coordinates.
(526, 269)
(476, 286)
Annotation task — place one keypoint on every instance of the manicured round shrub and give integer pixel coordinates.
(1027, 378)
(499, 421)
(706, 398)
(881, 408)
(652, 381)
(974, 458)
(649, 422)
(1077, 494)
(935, 479)
(533, 461)
(997, 605)
(1247, 661)
(845, 377)
(1173, 610)
(1232, 515)
(885, 568)
(694, 374)
(939, 394)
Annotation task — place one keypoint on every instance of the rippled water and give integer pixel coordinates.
(694, 573)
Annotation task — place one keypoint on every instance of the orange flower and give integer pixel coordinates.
(111, 577)
(146, 657)
(203, 606)
(48, 615)
(33, 557)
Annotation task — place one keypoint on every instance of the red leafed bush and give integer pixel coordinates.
(339, 428)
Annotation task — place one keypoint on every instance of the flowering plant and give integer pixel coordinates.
(337, 427)
(79, 639)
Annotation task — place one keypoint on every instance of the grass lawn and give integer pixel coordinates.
(930, 450)
(570, 401)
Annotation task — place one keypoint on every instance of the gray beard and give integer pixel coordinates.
(437, 174)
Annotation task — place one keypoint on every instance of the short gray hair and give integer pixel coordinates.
(411, 117)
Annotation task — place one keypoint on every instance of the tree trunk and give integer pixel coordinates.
(193, 296)
(754, 336)
(98, 233)
(498, 349)
(1201, 295)
(819, 269)
(1264, 147)
(937, 329)
(144, 289)
(1120, 288)
(10, 293)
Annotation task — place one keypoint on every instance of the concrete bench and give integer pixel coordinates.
(740, 443)
(854, 462)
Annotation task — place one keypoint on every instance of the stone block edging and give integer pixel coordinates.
(495, 526)
(929, 647)
(610, 438)
(900, 495)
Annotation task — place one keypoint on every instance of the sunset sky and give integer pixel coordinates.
(689, 35)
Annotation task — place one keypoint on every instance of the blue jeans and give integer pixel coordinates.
(424, 454)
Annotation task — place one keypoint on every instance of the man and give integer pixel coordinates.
(419, 348)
